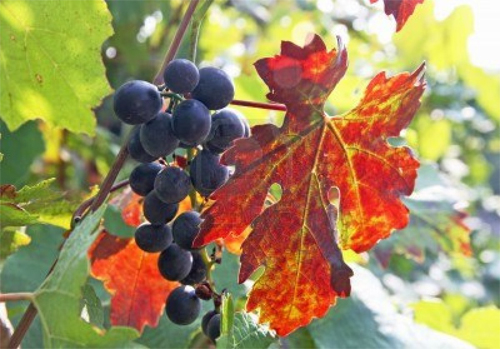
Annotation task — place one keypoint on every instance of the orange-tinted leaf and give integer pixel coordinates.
(297, 239)
(131, 205)
(400, 9)
(131, 276)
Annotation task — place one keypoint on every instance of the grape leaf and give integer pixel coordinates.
(438, 226)
(313, 157)
(38, 203)
(50, 62)
(401, 10)
(58, 298)
(434, 219)
(132, 277)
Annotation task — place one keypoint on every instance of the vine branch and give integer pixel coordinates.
(21, 296)
(174, 46)
(259, 105)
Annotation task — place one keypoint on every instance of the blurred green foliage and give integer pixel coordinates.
(455, 134)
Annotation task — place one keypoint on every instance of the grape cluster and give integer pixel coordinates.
(186, 123)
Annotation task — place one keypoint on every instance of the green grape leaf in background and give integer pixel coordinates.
(50, 62)
(369, 319)
(25, 270)
(479, 326)
(11, 240)
(435, 225)
(58, 298)
(20, 149)
(34, 204)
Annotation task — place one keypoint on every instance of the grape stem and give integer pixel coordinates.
(30, 313)
(174, 46)
(21, 296)
(259, 105)
(209, 263)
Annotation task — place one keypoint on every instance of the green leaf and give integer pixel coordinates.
(50, 62)
(25, 270)
(369, 319)
(20, 149)
(11, 240)
(226, 275)
(168, 335)
(433, 218)
(114, 224)
(479, 326)
(35, 204)
(91, 307)
(246, 333)
(58, 298)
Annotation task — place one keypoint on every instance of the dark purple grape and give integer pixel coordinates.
(175, 263)
(172, 185)
(205, 319)
(246, 125)
(183, 306)
(142, 178)
(136, 150)
(207, 174)
(153, 238)
(198, 271)
(215, 88)
(191, 122)
(227, 126)
(137, 102)
(158, 212)
(157, 136)
(185, 229)
(213, 327)
(181, 76)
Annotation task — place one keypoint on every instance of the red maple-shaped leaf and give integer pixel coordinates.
(131, 276)
(312, 155)
(400, 9)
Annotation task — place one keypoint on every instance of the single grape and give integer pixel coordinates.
(158, 212)
(136, 150)
(137, 102)
(175, 263)
(227, 126)
(183, 306)
(213, 327)
(207, 174)
(191, 122)
(172, 185)
(157, 136)
(185, 229)
(142, 178)
(205, 319)
(246, 125)
(198, 271)
(181, 76)
(153, 238)
(215, 88)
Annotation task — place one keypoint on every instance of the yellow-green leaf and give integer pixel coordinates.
(50, 62)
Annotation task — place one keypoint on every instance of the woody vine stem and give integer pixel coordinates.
(108, 185)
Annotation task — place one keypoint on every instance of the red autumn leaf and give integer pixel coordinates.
(297, 239)
(400, 9)
(131, 276)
